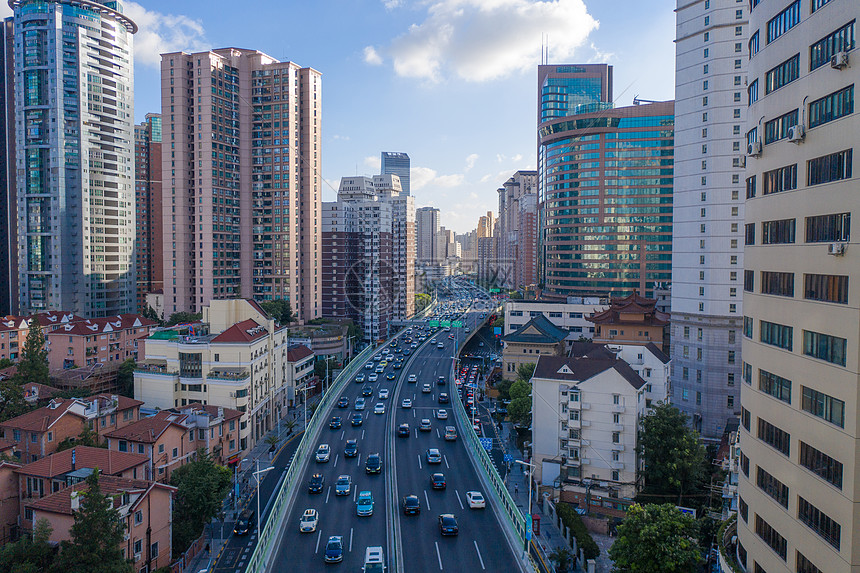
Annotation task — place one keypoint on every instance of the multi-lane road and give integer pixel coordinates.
(481, 544)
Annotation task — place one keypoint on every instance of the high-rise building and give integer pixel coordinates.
(8, 189)
(367, 253)
(427, 224)
(74, 153)
(509, 232)
(799, 504)
(707, 202)
(486, 223)
(606, 187)
(242, 145)
(397, 163)
(149, 248)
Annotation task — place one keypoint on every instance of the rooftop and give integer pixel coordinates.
(109, 462)
(583, 368)
(538, 330)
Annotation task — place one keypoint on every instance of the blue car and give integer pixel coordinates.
(334, 549)
(364, 504)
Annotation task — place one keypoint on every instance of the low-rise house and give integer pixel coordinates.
(162, 438)
(570, 315)
(300, 370)
(108, 412)
(108, 341)
(633, 319)
(215, 429)
(37, 434)
(144, 506)
(538, 337)
(9, 505)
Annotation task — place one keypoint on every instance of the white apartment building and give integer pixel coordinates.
(235, 358)
(570, 315)
(708, 203)
(799, 505)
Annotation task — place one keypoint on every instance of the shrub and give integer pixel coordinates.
(571, 519)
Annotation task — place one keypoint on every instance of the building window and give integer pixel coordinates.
(745, 464)
(743, 509)
(753, 44)
(828, 228)
(749, 281)
(779, 284)
(777, 232)
(777, 128)
(749, 234)
(824, 347)
(774, 437)
(776, 386)
(819, 522)
(831, 107)
(154, 550)
(824, 406)
(775, 334)
(826, 288)
(821, 464)
(752, 92)
(730, 402)
(833, 167)
(770, 536)
(804, 565)
(782, 23)
(138, 517)
(821, 51)
(783, 74)
(778, 180)
(772, 487)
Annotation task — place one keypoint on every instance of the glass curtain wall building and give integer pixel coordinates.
(396, 163)
(74, 138)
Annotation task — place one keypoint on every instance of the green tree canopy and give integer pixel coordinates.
(33, 364)
(656, 539)
(526, 371)
(149, 312)
(95, 536)
(182, 318)
(201, 486)
(30, 554)
(12, 401)
(87, 437)
(125, 377)
(674, 458)
(279, 309)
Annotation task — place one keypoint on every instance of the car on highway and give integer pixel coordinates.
(406, 403)
(369, 366)
(377, 358)
(374, 561)
(398, 365)
(441, 381)
(350, 450)
(245, 523)
(426, 389)
(437, 481)
(360, 378)
(448, 524)
(441, 414)
(373, 465)
(383, 393)
(308, 522)
(316, 483)
(367, 391)
(440, 345)
(476, 500)
(434, 456)
(359, 403)
(424, 426)
(334, 549)
(450, 433)
(443, 398)
(412, 378)
(379, 408)
(403, 430)
(406, 352)
(390, 376)
(336, 422)
(364, 503)
(323, 453)
(373, 377)
(357, 419)
(343, 402)
(477, 427)
(343, 485)
(398, 350)
(411, 505)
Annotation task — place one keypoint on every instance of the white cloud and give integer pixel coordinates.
(449, 180)
(481, 40)
(392, 4)
(338, 137)
(161, 33)
(371, 56)
(373, 162)
(470, 161)
(420, 176)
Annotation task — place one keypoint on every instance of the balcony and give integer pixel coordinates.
(227, 375)
(144, 368)
(617, 447)
(618, 408)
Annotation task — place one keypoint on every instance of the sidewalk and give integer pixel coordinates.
(247, 488)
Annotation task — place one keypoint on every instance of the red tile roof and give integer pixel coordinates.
(148, 430)
(43, 418)
(61, 502)
(633, 304)
(109, 462)
(245, 331)
(123, 402)
(39, 391)
(299, 352)
(229, 413)
(86, 327)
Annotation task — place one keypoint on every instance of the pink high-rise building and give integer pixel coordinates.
(242, 180)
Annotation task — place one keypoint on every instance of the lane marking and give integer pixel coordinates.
(419, 462)
(446, 462)
(319, 537)
(438, 435)
(481, 559)
(362, 434)
(336, 456)
(327, 493)
(416, 432)
(350, 545)
(354, 492)
(342, 434)
(427, 499)
(460, 501)
(438, 556)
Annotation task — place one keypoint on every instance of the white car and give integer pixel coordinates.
(412, 378)
(426, 389)
(373, 377)
(383, 394)
(308, 522)
(441, 414)
(407, 403)
(323, 453)
(369, 366)
(379, 408)
(476, 500)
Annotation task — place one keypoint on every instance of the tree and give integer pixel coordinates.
(504, 388)
(656, 539)
(6, 363)
(422, 300)
(562, 558)
(520, 411)
(87, 437)
(182, 318)
(12, 402)
(201, 486)
(526, 371)
(290, 424)
(95, 536)
(279, 309)
(149, 312)
(672, 455)
(273, 442)
(125, 378)
(33, 364)
(30, 553)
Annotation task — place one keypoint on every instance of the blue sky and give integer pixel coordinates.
(450, 82)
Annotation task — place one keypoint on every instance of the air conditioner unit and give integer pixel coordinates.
(742, 161)
(136, 557)
(839, 60)
(796, 133)
(754, 149)
(836, 249)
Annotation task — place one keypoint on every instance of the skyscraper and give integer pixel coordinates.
(74, 153)
(242, 145)
(515, 259)
(149, 247)
(707, 259)
(798, 494)
(397, 163)
(8, 189)
(427, 224)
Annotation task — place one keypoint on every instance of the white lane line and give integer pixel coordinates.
(460, 501)
(336, 456)
(358, 462)
(446, 462)
(416, 432)
(437, 433)
(419, 462)
(414, 414)
(481, 559)
(342, 434)
(350, 545)
(362, 434)
(354, 492)
(427, 499)
(327, 493)
(439, 556)
(319, 536)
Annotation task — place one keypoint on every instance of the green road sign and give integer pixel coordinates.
(495, 290)
(434, 324)
(446, 323)
(457, 324)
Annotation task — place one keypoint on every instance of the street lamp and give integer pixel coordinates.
(257, 478)
(529, 512)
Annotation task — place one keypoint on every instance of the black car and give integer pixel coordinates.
(373, 465)
(367, 391)
(403, 430)
(316, 484)
(245, 523)
(406, 352)
(350, 450)
(443, 398)
(448, 524)
(357, 419)
(343, 402)
(441, 381)
(390, 376)
(336, 423)
(334, 549)
(411, 505)
(437, 481)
